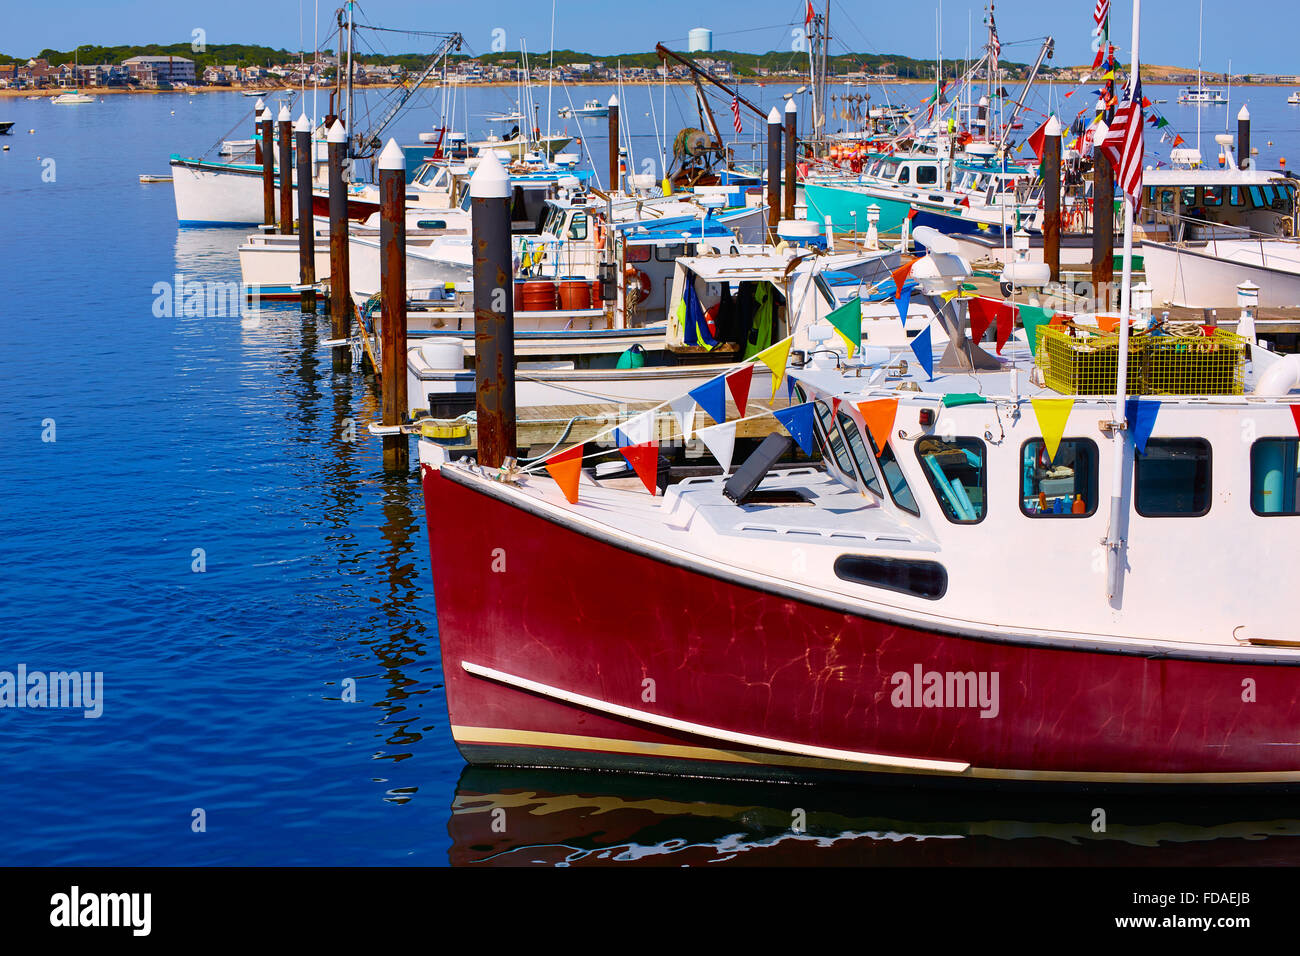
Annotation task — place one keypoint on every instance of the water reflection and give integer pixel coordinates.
(513, 817)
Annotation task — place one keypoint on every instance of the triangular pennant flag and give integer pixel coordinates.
(879, 416)
(720, 440)
(924, 352)
(738, 382)
(1295, 414)
(847, 321)
(635, 431)
(1052, 415)
(981, 314)
(565, 469)
(1006, 324)
(683, 407)
(798, 421)
(903, 302)
(835, 405)
(900, 275)
(712, 397)
(789, 387)
(775, 357)
(1031, 317)
(1141, 418)
(644, 459)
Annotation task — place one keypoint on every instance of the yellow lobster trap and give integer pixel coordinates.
(1080, 361)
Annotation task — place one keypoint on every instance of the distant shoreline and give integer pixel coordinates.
(49, 92)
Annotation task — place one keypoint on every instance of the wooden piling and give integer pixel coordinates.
(494, 312)
(392, 294)
(286, 171)
(791, 147)
(306, 222)
(773, 172)
(1103, 227)
(268, 169)
(1052, 197)
(613, 144)
(340, 278)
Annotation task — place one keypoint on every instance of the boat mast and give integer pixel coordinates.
(350, 124)
(826, 51)
(1200, 91)
(1114, 540)
(550, 73)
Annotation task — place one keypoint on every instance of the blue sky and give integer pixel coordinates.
(1239, 31)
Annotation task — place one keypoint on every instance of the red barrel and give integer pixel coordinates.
(575, 293)
(538, 296)
(597, 294)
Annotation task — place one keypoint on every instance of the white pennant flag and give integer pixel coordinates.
(720, 440)
(684, 408)
(639, 429)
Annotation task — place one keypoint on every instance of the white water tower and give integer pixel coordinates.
(699, 40)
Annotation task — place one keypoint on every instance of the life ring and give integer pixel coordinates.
(633, 274)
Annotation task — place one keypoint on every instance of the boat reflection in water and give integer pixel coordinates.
(514, 817)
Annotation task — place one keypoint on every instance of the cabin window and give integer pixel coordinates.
(637, 253)
(1213, 195)
(893, 474)
(578, 226)
(1172, 478)
(861, 457)
(924, 579)
(835, 441)
(1066, 486)
(927, 175)
(955, 471)
(1167, 200)
(1275, 476)
(905, 176)
(1189, 196)
(1256, 197)
(670, 253)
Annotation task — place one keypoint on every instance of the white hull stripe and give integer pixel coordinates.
(703, 730)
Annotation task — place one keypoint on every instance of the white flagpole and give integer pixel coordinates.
(1114, 542)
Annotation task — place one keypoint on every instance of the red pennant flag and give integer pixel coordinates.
(981, 317)
(1101, 53)
(644, 459)
(900, 274)
(1178, 141)
(738, 382)
(1037, 139)
(1006, 321)
(565, 469)
(835, 406)
(1295, 413)
(965, 201)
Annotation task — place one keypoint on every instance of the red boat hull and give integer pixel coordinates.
(524, 598)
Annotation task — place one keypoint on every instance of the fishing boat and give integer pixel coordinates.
(254, 92)
(72, 98)
(154, 178)
(6, 127)
(590, 109)
(1294, 98)
(926, 600)
(1237, 223)
(1201, 96)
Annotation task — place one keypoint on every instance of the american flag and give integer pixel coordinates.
(1123, 146)
(995, 45)
(735, 113)
(1101, 12)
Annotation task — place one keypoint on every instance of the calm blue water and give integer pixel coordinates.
(222, 687)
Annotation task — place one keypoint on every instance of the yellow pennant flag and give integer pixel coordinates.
(1052, 414)
(775, 357)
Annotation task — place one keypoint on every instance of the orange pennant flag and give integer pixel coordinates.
(900, 276)
(879, 416)
(644, 459)
(565, 469)
(738, 382)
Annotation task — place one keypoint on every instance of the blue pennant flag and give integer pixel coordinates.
(789, 387)
(924, 352)
(712, 397)
(904, 301)
(798, 421)
(1141, 418)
